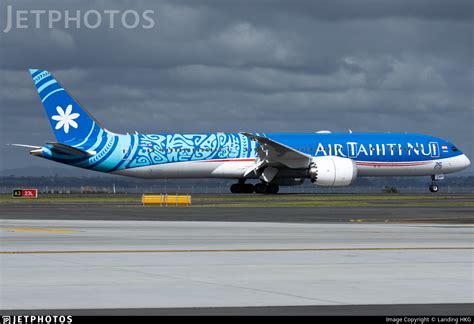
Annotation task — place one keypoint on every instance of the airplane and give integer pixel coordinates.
(274, 159)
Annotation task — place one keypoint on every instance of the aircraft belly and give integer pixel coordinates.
(236, 168)
(413, 168)
(191, 169)
(365, 171)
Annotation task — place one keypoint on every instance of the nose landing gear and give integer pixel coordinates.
(433, 186)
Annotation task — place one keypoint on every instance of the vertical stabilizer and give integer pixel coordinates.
(70, 122)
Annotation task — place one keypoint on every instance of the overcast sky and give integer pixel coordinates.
(267, 66)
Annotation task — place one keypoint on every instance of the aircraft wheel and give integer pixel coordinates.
(434, 188)
(266, 188)
(249, 188)
(272, 188)
(261, 188)
(236, 188)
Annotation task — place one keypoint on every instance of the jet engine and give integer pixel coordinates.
(332, 171)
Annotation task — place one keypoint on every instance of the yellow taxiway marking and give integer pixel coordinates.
(37, 230)
(240, 250)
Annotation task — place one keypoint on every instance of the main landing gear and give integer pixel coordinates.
(242, 187)
(266, 188)
(433, 186)
(261, 188)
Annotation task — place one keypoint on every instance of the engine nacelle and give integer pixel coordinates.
(332, 171)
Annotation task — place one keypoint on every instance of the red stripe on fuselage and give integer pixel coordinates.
(392, 164)
(228, 160)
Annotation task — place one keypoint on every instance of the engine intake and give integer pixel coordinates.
(332, 171)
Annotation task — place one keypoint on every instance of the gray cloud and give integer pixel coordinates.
(274, 66)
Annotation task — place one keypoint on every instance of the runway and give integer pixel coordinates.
(338, 310)
(354, 255)
(95, 211)
(263, 267)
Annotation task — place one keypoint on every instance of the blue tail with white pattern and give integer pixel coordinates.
(71, 123)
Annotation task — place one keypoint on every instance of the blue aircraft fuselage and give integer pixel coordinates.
(325, 158)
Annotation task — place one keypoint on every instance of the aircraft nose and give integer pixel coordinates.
(465, 162)
(458, 163)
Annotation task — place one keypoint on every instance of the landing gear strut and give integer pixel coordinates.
(242, 187)
(433, 186)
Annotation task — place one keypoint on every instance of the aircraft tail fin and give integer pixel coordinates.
(71, 123)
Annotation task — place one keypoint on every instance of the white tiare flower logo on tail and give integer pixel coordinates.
(65, 119)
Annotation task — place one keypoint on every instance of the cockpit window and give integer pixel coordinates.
(454, 149)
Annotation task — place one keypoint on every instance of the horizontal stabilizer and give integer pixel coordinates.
(69, 150)
(27, 146)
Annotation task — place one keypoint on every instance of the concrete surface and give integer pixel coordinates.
(339, 310)
(60, 264)
(96, 211)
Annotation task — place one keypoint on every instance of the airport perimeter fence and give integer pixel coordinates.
(224, 189)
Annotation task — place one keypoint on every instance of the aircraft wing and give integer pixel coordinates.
(274, 154)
